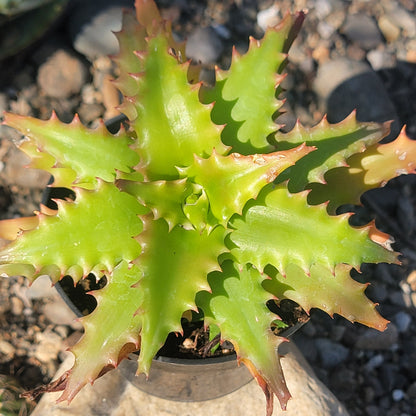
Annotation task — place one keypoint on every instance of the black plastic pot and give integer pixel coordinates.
(188, 380)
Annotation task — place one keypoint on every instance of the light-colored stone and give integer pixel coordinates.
(345, 85)
(401, 17)
(58, 312)
(335, 72)
(389, 30)
(363, 30)
(96, 38)
(31, 178)
(268, 17)
(17, 306)
(48, 346)
(380, 59)
(7, 350)
(204, 45)
(41, 288)
(62, 75)
(113, 395)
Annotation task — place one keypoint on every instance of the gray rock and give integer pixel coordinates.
(323, 8)
(397, 298)
(388, 375)
(402, 18)
(62, 75)
(333, 73)
(402, 320)
(397, 395)
(337, 332)
(376, 340)
(48, 346)
(59, 313)
(41, 288)
(390, 31)
(363, 30)
(204, 45)
(380, 59)
(31, 178)
(91, 25)
(268, 17)
(374, 362)
(345, 85)
(325, 29)
(331, 353)
(372, 410)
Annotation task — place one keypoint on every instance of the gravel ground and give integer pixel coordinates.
(371, 45)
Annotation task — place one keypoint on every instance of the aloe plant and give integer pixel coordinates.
(202, 204)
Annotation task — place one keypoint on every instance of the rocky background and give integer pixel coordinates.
(350, 54)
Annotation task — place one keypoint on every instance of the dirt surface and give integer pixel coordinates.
(372, 374)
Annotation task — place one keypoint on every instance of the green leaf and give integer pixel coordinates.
(237, 305)
(367, 170)
(281, 228)
(111, 331)
(164, 198)
(242, 177)
(175, 265)
(331, 292)
(244, 95)
(172, 125)
(131, 38)
(85, 235)
(334, 143)
(73, 154)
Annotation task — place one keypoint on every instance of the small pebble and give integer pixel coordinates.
(268, 17)
(325, 30)
(41, 287)
(390, 31)
(402, 320)
(331, 353)
(62, 75)
(59, 313)
(374, 362)
(402, 18)
(363, 30)
(92, 26)
(380, 59)
(17, 305)
(6, 349)
(323, 8)
(376, 340)
(48, 346)
(204, 45)
(397, 395)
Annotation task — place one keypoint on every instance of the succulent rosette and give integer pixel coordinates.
(202, 203)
